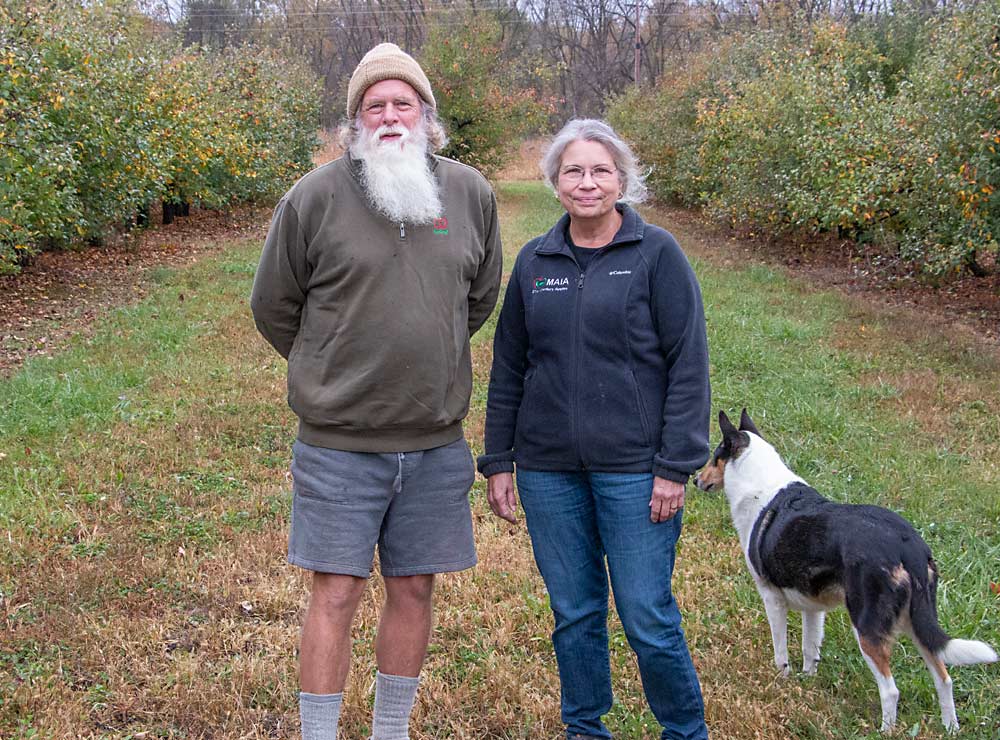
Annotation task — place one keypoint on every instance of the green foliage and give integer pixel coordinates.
(662, 126)
(949, 112)
(98, 119)
(881, 131)
(269, 111)
(484, 109)
(799, 144)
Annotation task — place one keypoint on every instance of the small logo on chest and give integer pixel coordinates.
(550, 284)
(441, 225)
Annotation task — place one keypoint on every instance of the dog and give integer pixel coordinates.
(812, 555)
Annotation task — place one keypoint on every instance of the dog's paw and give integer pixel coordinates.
(888, 722)
(810, 667)
(784, 670)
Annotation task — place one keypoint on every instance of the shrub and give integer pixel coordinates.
(886, 129)
(802, 143)
(661, 125)
(484, 110)
(949, 119)
(97, 120)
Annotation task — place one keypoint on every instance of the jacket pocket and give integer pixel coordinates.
(643, 419)
(544, 430)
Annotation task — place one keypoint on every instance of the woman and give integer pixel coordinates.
(599, 396)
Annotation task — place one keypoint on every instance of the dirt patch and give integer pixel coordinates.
(525, 165)
(966, 304)
(62, 294)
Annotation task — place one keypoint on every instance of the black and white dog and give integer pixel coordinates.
(810, 554)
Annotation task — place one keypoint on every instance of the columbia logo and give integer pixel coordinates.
(620, 272)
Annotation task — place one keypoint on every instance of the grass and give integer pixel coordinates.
(143, 498)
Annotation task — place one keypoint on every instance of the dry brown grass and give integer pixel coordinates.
(186, 638)
(165, 607)
(525, 165)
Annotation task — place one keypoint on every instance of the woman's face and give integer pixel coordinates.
(588, 184)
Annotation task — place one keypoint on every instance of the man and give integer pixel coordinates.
(377, 269)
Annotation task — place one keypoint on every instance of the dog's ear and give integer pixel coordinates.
(728, 430)
(734, 441)
(746, 423)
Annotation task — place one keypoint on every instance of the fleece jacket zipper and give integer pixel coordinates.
(577, 341)
(578, 349)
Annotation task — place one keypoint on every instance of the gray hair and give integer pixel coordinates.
(437, 137)
(590, 129)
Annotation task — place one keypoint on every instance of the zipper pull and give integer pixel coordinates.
(579, 283)
(402, 230)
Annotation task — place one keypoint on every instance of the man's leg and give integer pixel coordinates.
(325, 652)
(400, 647)
(427, 530)
(405, 627)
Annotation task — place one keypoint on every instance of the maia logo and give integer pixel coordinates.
(441, 225)
(550, 282)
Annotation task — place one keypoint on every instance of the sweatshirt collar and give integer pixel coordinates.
(631, 231)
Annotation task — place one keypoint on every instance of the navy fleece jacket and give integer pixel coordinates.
(604, 369)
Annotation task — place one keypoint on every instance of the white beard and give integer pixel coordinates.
(397, 176)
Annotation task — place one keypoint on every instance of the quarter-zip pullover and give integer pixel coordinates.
(604, 368)
(374, 316)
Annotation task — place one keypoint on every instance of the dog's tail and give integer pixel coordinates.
(927, 630)
(967, 652)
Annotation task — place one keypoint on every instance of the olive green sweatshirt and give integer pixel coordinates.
(374, 317)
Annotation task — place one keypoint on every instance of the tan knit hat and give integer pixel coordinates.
(386, 62)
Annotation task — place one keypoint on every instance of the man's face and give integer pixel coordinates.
(392, 147)
(389, 105)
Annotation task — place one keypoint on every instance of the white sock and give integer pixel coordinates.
(320, 714)
(394, 696)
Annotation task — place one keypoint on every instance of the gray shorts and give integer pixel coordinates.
(414, 505)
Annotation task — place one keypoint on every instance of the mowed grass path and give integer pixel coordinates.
(144, 496)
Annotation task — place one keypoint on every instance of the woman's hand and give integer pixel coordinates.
(667, 500)
(500, 494)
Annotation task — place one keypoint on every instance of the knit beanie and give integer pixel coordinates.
(386, 62)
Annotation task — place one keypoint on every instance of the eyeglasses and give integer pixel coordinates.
(600, 173)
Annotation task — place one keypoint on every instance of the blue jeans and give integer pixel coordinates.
(576, 520)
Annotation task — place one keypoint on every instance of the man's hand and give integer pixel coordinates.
(500, 494)
(667, 500)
